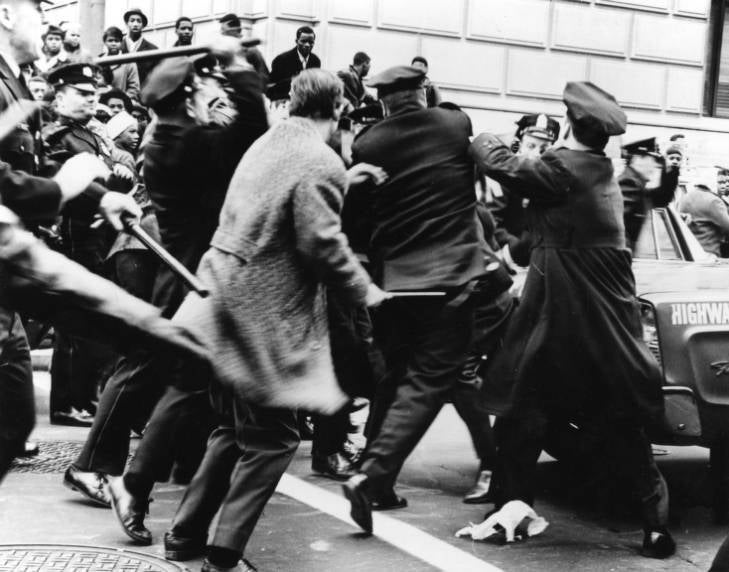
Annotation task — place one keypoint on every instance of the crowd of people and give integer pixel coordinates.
(358, 243)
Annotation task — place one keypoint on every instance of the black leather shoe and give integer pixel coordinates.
(72, 418)
(29, 449)
(387, 501)
(90, 484)
(181, 548)
(129, 510)
(334, 466)
(658, 543)
(360, 511)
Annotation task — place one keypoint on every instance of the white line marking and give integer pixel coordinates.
(406, 537)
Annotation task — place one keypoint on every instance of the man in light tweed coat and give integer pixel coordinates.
(278, 246)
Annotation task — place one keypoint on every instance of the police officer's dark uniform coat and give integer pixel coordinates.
(575, 344)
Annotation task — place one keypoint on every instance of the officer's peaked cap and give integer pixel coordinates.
(169, 77)
(398, 78)
(590, 107)
(79, 75)
(538, 125)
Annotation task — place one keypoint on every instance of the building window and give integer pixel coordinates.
(716, 93)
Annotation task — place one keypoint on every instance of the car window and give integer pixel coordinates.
(645, 246)
(668, 248)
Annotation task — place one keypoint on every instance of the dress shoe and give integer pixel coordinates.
(480, 493)
(334, 466)
(181, 548)
(90, 484)
(387, 501)
(129, 510)
(72, 418)
(361, 510)
(29, 449)
(242, 566)
(658, 543)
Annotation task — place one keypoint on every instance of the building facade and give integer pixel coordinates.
(500, 58)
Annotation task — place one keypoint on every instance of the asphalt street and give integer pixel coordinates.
(305, 527)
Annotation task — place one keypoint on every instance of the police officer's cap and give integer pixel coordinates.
(538, 125)
(367, 114)
(173, 76)
(642, 147)
(398, 78)
(136, 12)
(79, 75)
(594, 109)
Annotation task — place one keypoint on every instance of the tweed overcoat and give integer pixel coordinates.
(278, 244)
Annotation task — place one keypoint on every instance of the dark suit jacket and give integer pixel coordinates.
(284, 67)
(23, 147)
(424, 224)
(143, 67)
(354, 90)
(639, 200)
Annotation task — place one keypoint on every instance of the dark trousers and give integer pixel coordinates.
(245, 459)
(78, 367)
(357, 365)
(491, 317)
(177, 431)
(130, 395)
(425, 341)
(623, 449)
(17, 405)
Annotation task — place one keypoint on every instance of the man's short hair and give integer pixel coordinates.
(114, 33)
(304, 30)
(182, 19)
(360, 58)
(316, 93)
(420, 59)
(593, 138)
(231, 19)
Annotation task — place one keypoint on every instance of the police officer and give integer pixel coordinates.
(188, 166)
(78, 365)
(424, 237)
(643, 163)
(573, 352)
(534, 134)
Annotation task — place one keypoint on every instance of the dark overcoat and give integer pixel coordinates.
(574, 346)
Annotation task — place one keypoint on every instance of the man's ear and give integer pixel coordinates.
(7, 17)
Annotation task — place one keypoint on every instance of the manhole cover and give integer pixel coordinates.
(60, 557)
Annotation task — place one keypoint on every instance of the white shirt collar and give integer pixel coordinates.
(302, 59)
(12, 64)
(132, 46)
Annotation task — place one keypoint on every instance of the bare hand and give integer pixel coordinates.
(123, 172)
(363, 172)
(375, 296)
(78, 173)
(114, 205)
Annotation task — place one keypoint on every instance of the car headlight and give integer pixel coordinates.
(650, 330)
